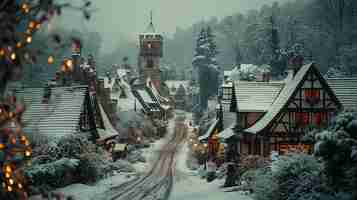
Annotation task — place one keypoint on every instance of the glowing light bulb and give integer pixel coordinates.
(195, 145)
(2, 52)
(9, 188)
(32, 24)
(11, 114)
(69, 63)
(25, 6)
(11, 181)
(27, 153)
(205, 145)
(2, 146)
(19, 45)
(29, 39)
(7, 175)
(13, 140)
(8, 169)
(38, 26)
(50, 60)
(13, 56)
(19, 185)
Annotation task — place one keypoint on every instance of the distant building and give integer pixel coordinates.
(150, 53)
(179, 92)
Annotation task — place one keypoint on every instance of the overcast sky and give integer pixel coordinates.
(115, 18)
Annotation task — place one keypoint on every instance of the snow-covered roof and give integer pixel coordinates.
(256, 96)
(346, 91)
(227, 133)
(57, 118)
(122, 72)
(209, 131)
(109, 82)
(280, 101)
(146, 97)
(227, 73)
(156, 93)
(109, 130)
(176, 84)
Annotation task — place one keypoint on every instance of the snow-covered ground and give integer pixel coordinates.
(189, 186)
(86, 192)
(151, 152)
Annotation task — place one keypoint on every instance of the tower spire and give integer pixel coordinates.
(151, 17)
(151, 27)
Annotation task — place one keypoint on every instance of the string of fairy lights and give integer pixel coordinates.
(15, 148)
(13, 52)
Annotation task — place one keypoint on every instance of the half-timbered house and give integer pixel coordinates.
(275, 116)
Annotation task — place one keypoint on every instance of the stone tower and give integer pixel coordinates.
(150, 54)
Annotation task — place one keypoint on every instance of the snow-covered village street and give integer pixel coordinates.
(178, 100)
(166, 176)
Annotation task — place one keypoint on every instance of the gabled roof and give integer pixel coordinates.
(285, 95)
(59, 117)
(282, 99)
(176, 84)
(109, 131)
(109, 82)
(148, 103)
(345, 90)
(256, 96)
(122, 72)
(208, 133)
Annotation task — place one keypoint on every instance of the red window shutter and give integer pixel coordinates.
(318, 119)
(305, 118)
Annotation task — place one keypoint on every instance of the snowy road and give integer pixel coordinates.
(158, 182)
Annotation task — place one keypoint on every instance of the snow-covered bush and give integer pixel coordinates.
(67, 160)
(288, 178)
(55, 174)
(337, 147)
(265, 186)
(135, 156)
(122, 166)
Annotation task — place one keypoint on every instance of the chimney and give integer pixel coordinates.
(264, 73)
(47, 93)
(295, 63)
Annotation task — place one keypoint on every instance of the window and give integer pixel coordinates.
(312, 96)
(302, 118)
(227, 93)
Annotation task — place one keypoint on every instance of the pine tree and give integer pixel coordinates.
(201, 62)
(215, 72)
